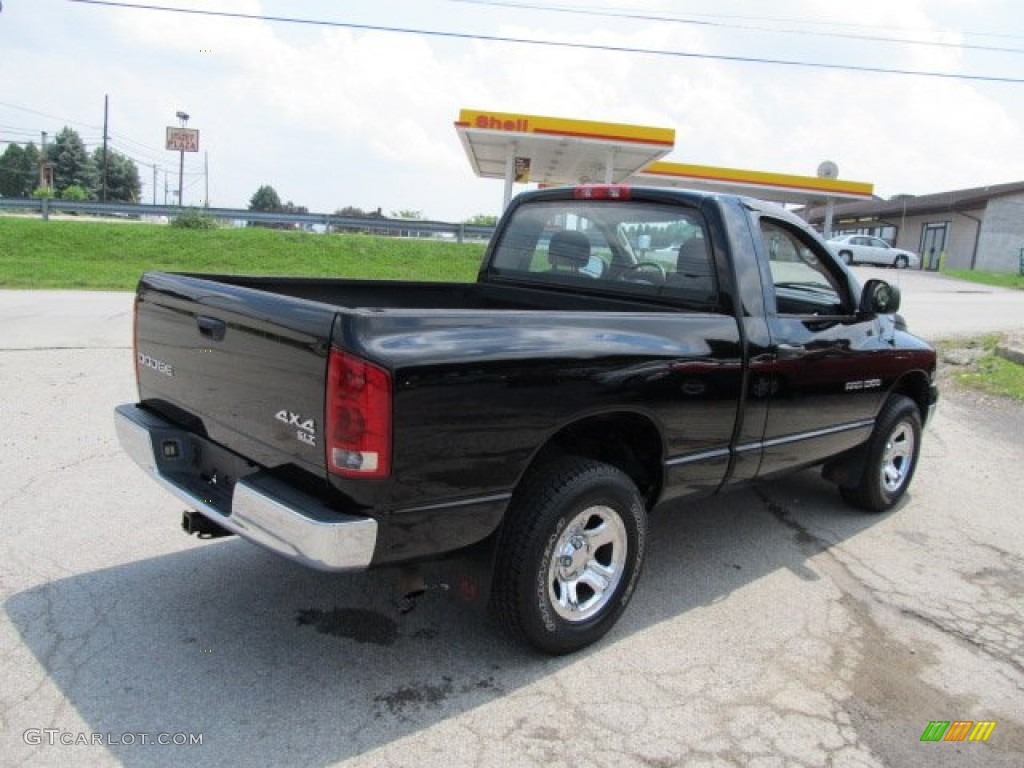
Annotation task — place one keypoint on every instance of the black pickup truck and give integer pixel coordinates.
(621, 348)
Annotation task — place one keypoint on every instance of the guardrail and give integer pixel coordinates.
(330, 223)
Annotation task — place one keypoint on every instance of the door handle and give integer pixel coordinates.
(791, 351)
(211, 327)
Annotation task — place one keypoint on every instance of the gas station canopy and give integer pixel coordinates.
(552, 151)
(778, 187)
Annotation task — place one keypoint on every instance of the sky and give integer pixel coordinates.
(335, 115)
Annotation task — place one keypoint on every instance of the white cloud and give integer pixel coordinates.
(334, 116)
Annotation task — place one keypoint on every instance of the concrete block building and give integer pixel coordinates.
(980, 228)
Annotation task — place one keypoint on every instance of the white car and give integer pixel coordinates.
(864, 249)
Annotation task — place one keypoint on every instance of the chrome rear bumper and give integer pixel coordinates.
(257, 506)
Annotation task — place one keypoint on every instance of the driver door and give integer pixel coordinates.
(824, 378)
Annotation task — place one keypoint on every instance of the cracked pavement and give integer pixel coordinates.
(772, 627)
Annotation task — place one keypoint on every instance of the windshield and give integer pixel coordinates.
(636, 247)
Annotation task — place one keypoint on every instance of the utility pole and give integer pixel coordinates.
(154, 183)
(106, 109)
(42, 163)
(206, 175)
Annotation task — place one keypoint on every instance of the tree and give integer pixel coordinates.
(31, 166)
(265, 199)
(123, 182)
(11, 183)
(351, 212)
(410, 215)
(482, 220)
(19, 170)
(72, 165)
(291, 207)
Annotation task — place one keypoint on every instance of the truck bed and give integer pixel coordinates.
(474, 391)
(398, 294)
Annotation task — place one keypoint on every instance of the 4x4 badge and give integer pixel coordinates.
(305, 431)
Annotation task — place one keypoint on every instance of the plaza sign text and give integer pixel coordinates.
(182, 139)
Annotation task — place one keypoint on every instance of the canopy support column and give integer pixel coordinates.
(609, 167)
(510, 173)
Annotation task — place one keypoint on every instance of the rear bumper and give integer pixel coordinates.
(256, 506)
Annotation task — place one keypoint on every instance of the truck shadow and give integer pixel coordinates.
(273, 663)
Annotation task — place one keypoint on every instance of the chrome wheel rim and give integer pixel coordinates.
(898, 457)
(587, 563)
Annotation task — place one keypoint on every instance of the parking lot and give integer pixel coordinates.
(772, 627)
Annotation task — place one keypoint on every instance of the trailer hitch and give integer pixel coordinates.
(193, 522)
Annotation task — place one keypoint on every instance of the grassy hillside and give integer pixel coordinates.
(111, 256)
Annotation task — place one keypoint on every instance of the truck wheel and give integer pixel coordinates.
(891, 459)
(570, 554)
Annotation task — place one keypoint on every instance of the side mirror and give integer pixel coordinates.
(879, 298)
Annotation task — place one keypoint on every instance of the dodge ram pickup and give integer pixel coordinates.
(622, 347)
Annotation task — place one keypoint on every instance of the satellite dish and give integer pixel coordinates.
(828, 170)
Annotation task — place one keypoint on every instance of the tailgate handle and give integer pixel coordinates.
(211, 327)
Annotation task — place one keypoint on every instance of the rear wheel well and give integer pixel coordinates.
(628, 441)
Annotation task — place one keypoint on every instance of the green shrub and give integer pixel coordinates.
(74, 192)
(194, 219)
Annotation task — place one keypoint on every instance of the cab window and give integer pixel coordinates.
(640, 248)
(802, 281)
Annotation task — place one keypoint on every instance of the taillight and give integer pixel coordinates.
(602, 192)
(358, 417)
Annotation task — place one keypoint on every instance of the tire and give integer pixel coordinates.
(900, 262)
(892, 453)
(847, 257)
(570, 554)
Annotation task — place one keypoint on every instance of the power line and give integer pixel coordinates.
(46, 114)
(556, 44)
(728, 25)
(781, 20)
(150, 155)
(10, 129)
(144, 148)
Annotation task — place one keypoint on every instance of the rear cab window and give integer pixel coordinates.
(639, 248)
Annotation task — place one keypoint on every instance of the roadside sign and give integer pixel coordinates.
(182, 139)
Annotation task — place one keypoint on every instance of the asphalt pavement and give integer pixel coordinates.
(940, 307)
(774, 626)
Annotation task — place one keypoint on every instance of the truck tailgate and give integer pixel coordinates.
(245, 368)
